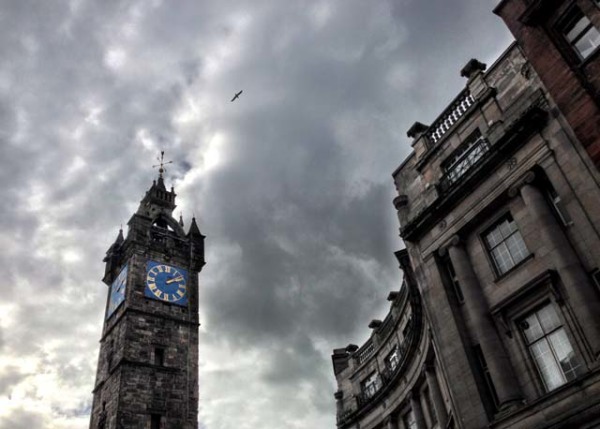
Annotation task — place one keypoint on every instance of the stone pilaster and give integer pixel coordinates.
(505, 382)
(436, 395)
(582, 298)
(390, 422)
(417, 410)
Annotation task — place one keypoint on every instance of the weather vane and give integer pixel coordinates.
(161, 164)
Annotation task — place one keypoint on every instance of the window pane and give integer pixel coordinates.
(564, 353)
(512, 225)
(493, 238)
(546, 364)
(371, 385)
(465, 157)
(505, 229)
(578, 27)
(550, 347)
(588, 43)
(393, 359)
(532, 329)
(505, 245)
(548, 318)
(502, 258)
(516, 247)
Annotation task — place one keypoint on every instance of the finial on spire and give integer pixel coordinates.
(120, 239)
(181, 219)
(194, 230)
(161, 164)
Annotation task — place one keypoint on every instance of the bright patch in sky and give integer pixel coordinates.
(290, 183)
(115, 58)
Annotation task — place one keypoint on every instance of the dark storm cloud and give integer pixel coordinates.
(290, 183)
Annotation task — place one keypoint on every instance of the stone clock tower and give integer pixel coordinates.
(147, 375)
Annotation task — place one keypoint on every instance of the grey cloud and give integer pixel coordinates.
(23, 419)
(297, 209)
(9, 377)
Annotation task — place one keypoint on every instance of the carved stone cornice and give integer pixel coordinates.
(526, 179)
(400, 201)
(521, 121)
(454, 241)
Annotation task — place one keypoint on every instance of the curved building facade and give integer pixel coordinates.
(497, 324)
(393, 378)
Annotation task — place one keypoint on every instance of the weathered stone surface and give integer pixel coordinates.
(532, 169)
(148, 360)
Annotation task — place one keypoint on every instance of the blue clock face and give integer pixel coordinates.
(117, 292)
(166, 283)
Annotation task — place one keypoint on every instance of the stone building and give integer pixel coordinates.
(559, 38)
(499, 208)
(394, 376)
(147, 376)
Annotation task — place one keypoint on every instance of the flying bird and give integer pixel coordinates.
(237, 96)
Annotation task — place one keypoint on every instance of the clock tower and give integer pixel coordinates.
(147, 376)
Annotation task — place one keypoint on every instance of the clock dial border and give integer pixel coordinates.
(118, 289)
(166, 283)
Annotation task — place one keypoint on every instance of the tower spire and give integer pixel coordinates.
(158, 199)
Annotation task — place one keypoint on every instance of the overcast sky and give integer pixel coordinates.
(290, 183)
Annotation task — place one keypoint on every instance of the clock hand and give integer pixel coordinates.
(174, 279)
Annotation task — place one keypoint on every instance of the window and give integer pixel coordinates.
(559, 207)
(465, 157)
(409, 420)
(371, 385)
(407, 328)
(505, 245)
(581, 34)
(450, 274)
(159, 356)
(393, 359)
(110, 357)
(550, 348)
(155, 421)
(596, 275)
(483, 369)
(429, 405)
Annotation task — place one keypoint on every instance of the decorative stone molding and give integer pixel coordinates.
(416, 130)
(526, 179)
(351, 348)
(375, 323)
(454, 241)
(400, 201)
(393, 295)
(472, 68)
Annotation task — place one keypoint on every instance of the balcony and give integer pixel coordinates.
(387, 375)
(467, 156)
(461, 104)
(365, 351)
(525, 116)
